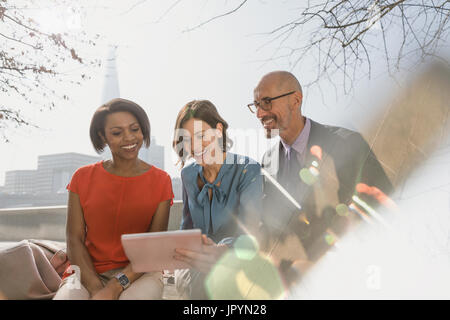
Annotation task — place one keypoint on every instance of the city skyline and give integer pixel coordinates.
(46, 185)
(153, 155)
(52, 174)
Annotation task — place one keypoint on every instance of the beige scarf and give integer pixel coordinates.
(31, 269)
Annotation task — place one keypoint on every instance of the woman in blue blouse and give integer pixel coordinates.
(222, 191)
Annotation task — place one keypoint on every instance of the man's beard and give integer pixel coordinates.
(275, 132)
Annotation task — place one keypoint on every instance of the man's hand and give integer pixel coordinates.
(377, 194)
(205, 260)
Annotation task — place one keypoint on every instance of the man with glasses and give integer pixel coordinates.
(312, 174)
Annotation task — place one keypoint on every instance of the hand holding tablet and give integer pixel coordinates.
(154, 251)
(205, 259)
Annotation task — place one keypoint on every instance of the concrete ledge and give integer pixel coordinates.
(50, 222)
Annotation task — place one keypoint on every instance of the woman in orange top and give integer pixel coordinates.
(111, 198)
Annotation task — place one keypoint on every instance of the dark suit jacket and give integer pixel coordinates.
(289, 233)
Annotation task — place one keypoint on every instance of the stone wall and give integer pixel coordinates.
(50, 222)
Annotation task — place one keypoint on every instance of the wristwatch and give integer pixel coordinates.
(123, 280)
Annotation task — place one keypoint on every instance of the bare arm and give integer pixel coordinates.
(159, 222)
(76, 249)
(160, 219)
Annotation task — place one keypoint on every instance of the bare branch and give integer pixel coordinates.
(217, 17)
(29, 58)
(168, 10)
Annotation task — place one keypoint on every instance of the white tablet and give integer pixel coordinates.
(154, 251)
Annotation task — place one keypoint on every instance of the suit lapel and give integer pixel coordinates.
(271, 160)
(316, 138)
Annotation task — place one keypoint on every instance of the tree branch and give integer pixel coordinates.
(216, 17)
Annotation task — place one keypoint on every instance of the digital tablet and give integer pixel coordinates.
(154, 251)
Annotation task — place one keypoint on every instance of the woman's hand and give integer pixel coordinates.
(111, 291)
(205, 260)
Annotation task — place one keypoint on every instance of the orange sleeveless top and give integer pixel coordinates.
(114, 205)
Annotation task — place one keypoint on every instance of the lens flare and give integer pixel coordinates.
(282, 190)
(354, 208)
(316, 151)
(377, 194)
(246, 247)
(342, 210)
(371, 211)
(245, 285)
(254, 278)
(302, 217)
(309, 176)
(330, 237)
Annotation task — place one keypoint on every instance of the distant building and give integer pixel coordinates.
(19, 181)
(111, 80)
(55, 171)
(52, 175)
(153, 155)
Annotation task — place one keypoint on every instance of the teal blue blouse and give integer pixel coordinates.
(239, 195)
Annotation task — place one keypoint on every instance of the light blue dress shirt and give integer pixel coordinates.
(299, 144)
(238, 196)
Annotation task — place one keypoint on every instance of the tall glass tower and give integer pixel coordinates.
(153, 155)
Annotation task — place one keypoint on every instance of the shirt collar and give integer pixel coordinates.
(301, 142)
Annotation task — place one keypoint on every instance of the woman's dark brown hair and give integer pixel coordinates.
(117, 105)
(202, 110)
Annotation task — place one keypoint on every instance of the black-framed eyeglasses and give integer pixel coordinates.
(265, 103)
